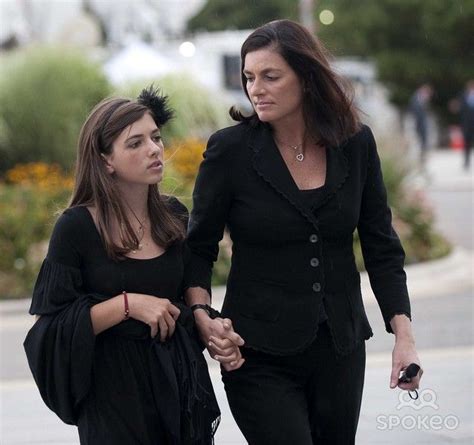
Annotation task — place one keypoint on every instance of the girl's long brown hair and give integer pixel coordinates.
(329, 113)
(94, 186)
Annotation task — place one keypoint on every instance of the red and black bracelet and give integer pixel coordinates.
(126, 308)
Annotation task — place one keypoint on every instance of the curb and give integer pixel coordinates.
(450, 274)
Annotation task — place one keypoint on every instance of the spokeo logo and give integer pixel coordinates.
(426, 399)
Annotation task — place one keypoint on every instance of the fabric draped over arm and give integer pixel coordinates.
(60, 345)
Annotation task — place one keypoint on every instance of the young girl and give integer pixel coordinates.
(114, 349)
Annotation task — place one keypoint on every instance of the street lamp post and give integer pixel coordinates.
(306, 9)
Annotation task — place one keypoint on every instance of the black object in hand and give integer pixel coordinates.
(410, 372)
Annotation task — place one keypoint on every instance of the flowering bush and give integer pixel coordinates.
(184, 158)
(47, 177)
(30, 195)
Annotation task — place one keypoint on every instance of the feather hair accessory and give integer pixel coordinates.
(151, 98)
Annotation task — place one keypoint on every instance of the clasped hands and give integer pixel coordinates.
(220, 339)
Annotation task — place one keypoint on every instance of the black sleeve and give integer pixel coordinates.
(383, 253)
(211, 203)
(181, 211)
(60, 345)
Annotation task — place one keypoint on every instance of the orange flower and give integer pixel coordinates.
(185, 157)
(41, 175)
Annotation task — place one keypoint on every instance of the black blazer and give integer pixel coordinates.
(286, 259)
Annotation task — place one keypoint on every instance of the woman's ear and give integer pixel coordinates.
(108, 166)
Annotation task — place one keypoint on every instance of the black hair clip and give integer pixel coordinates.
(151, 98)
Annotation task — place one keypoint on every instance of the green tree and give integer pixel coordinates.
(45, 96)
(411, 42)
(217, 15)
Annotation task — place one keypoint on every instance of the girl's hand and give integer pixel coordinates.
(159, 313)
(220, 339)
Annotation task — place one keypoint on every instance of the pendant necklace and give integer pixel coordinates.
(297, 148)
(299, 156)
(140, 232)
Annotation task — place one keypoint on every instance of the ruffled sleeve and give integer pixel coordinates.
(60, 345)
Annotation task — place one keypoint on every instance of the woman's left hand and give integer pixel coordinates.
(404, 353)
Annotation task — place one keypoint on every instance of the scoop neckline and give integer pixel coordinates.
(127, 258)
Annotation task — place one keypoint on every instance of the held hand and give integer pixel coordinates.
(404, 353)
(225, 352)
(221, 341)
(159, 313)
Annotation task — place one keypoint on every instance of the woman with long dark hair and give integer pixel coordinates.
(114, 349)
(292, 182)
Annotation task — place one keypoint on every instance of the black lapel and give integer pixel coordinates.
(271, 167)
(337, 171)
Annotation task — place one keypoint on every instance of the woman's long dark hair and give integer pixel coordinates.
(94, 186)
(328, 109)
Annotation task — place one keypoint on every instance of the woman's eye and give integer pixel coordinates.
(249, 79)
(157, 138)
(271, 78)
(134, 144)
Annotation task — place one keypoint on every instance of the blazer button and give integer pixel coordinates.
(316, 287)
(314, 262)
(313, 238)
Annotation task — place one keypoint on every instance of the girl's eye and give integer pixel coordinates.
(271, 78)
(135, 144)
(249, 79)
(157, 138)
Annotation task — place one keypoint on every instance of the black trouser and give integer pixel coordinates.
(310, 398)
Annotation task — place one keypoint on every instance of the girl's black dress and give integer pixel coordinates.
(121, 386)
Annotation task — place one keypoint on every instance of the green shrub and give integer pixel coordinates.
(413, 219)
(45, 96)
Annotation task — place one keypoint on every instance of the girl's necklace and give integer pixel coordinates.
(140, 232)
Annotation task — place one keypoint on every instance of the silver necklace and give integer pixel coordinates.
(297, 148)
(299, 156)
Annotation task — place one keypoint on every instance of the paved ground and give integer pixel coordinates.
(442, 299)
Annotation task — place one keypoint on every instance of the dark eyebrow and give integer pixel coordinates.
(265, 71)
(138, 136)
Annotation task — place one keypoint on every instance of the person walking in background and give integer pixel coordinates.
(292, 182)
(114, 349)
(418, 106)
(465, 107)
